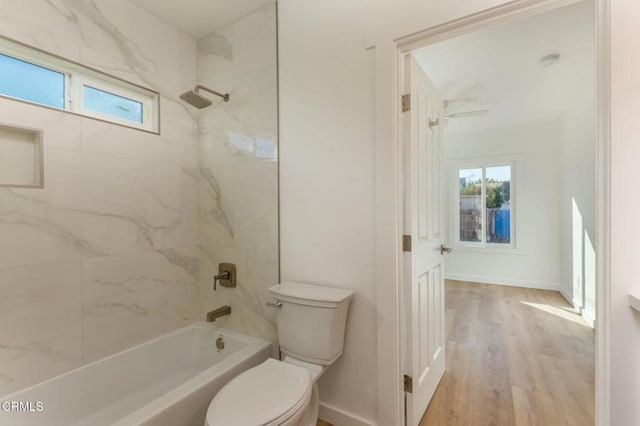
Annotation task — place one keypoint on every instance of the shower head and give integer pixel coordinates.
(195, 99)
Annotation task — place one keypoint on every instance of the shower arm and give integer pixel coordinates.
(224, 96)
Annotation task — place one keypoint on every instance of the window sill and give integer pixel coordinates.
(510, 250)
(153, 132)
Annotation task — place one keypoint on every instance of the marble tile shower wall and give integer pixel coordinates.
(239, 170)
(106, 255)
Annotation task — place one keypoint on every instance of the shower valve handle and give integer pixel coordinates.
(222, 276)
(226, 275)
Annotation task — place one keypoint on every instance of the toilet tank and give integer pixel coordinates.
(311, 321)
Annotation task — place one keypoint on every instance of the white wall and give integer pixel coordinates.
(625, 203)
(329, 155)
(554, 206)
(328, 162)
(327, 179)
(535, 259)
(577, 204)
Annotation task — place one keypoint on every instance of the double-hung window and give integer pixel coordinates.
(33, 76)
(483, 204)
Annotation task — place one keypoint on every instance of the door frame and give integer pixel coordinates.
(389, 169)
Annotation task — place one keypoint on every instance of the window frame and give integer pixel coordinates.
(454, 210)
(20, 54)
(77, 101)
(77, 75)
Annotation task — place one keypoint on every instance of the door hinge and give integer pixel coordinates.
(408, 384)
(406, 243)
(434, 123)
(406, 103)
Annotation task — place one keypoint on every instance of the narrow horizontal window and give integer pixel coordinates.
(30, 82)
(111, 104)
(32, 75)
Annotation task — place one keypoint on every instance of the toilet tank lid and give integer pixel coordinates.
(310, 293)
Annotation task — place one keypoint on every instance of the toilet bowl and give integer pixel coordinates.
(311, 326)
(273, 393)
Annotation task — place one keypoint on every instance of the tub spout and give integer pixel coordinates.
(217, 313)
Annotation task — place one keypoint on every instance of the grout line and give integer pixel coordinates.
(86, 258)
(82, 319)
(119, 157)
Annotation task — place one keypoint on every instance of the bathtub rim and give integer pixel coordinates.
(147, 411)
(253, 347)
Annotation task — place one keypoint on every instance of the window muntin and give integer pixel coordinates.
(484, 202)
(121, 102)
(30, 82)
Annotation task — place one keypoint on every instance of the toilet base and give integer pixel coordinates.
(309, 416)
(314, 405)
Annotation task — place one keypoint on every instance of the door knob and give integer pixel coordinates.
(444, 249)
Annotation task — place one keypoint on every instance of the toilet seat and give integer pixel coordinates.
(266, 395)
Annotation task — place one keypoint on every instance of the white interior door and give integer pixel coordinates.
(423, 273)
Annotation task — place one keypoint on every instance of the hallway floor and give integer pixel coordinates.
(515, 356)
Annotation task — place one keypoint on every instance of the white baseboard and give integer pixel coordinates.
(339, 417)
(589, 317)
(502, 281)
(566, 296)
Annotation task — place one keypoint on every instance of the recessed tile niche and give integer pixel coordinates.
(21, 157)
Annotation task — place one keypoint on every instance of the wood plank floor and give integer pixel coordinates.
(514, 356)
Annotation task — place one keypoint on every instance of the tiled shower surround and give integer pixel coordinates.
(118, 246)
(239, 171)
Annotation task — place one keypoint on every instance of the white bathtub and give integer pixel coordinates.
(166, 381)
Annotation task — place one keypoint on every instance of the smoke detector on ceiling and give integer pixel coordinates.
(547, 61)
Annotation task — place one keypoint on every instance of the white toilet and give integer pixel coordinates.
(311, 325)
